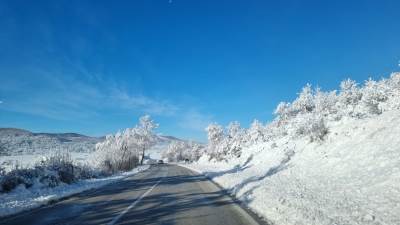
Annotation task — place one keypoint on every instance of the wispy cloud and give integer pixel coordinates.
(194, 120)
(148, 105)
(60, 96)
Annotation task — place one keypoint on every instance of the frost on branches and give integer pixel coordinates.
(183, 150)
(307, 116)
(125, 150)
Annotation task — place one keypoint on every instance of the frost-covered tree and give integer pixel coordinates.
(256, 132)
(308, 114)
(233, 129)
(349, 97)
(283, 111)
(145, 134)
(325, 102)
(393, 85)
(216, 140)
(181, 150)
(121, 152)
(236, 138)
(196, 151)
(305, 101)
(373, 94)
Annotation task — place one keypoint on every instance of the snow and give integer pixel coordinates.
(19, 142)
(352, 177)
(22, 199)
(29, 160)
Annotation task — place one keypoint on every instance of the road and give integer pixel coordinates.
(163, 194)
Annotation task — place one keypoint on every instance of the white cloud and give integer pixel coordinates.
(148, 105)
(194, 120)
(58, 96)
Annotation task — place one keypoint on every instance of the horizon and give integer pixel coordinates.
(93, 68)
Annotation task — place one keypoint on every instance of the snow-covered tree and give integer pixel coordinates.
(308, 114)
(349, 97)
(305, 101)
(393, 84)
(145, 134)
(123, 150)
(325, 102)
(182, 150)
(373, 94)
(236, 138)
(256, 132)
(216, 136)
(283, 111)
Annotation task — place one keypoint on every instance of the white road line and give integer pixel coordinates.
(115, 220)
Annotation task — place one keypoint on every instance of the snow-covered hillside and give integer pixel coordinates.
(328, 157)
(351, 178)
(19, 142)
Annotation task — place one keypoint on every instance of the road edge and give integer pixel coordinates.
(256, 216)
(66, 197)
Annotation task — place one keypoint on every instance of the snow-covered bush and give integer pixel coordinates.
(118, 152)
(374, 93)
(393, 84)
(305, 101)
(125, 150)
(216, 140)
(49, 172)
(349, 97)
(310, 125)
(235, 138)
(325, 103)
(256, 132)
(63, 164)
(18, 177)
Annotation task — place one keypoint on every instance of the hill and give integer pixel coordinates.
(15, 141)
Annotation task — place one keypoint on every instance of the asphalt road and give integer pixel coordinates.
(163, 194)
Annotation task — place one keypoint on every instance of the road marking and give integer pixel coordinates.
(115, 220)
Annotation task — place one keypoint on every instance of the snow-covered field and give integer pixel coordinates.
(22, 199)
(29, 160)
(352, 177)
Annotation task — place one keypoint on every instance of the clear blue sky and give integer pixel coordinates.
(95, 66)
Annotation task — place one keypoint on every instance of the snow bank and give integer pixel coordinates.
(352, 177)
(22, 199)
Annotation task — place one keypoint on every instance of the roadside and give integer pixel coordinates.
(22, 199)
(244, 206)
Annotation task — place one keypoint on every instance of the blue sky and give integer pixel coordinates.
(95, 66)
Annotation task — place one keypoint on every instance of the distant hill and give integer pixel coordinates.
(164, 138)
(14, 141)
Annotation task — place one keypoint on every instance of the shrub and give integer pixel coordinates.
(17, 177)
(310, 125)
(50, 172)
(62, 164)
